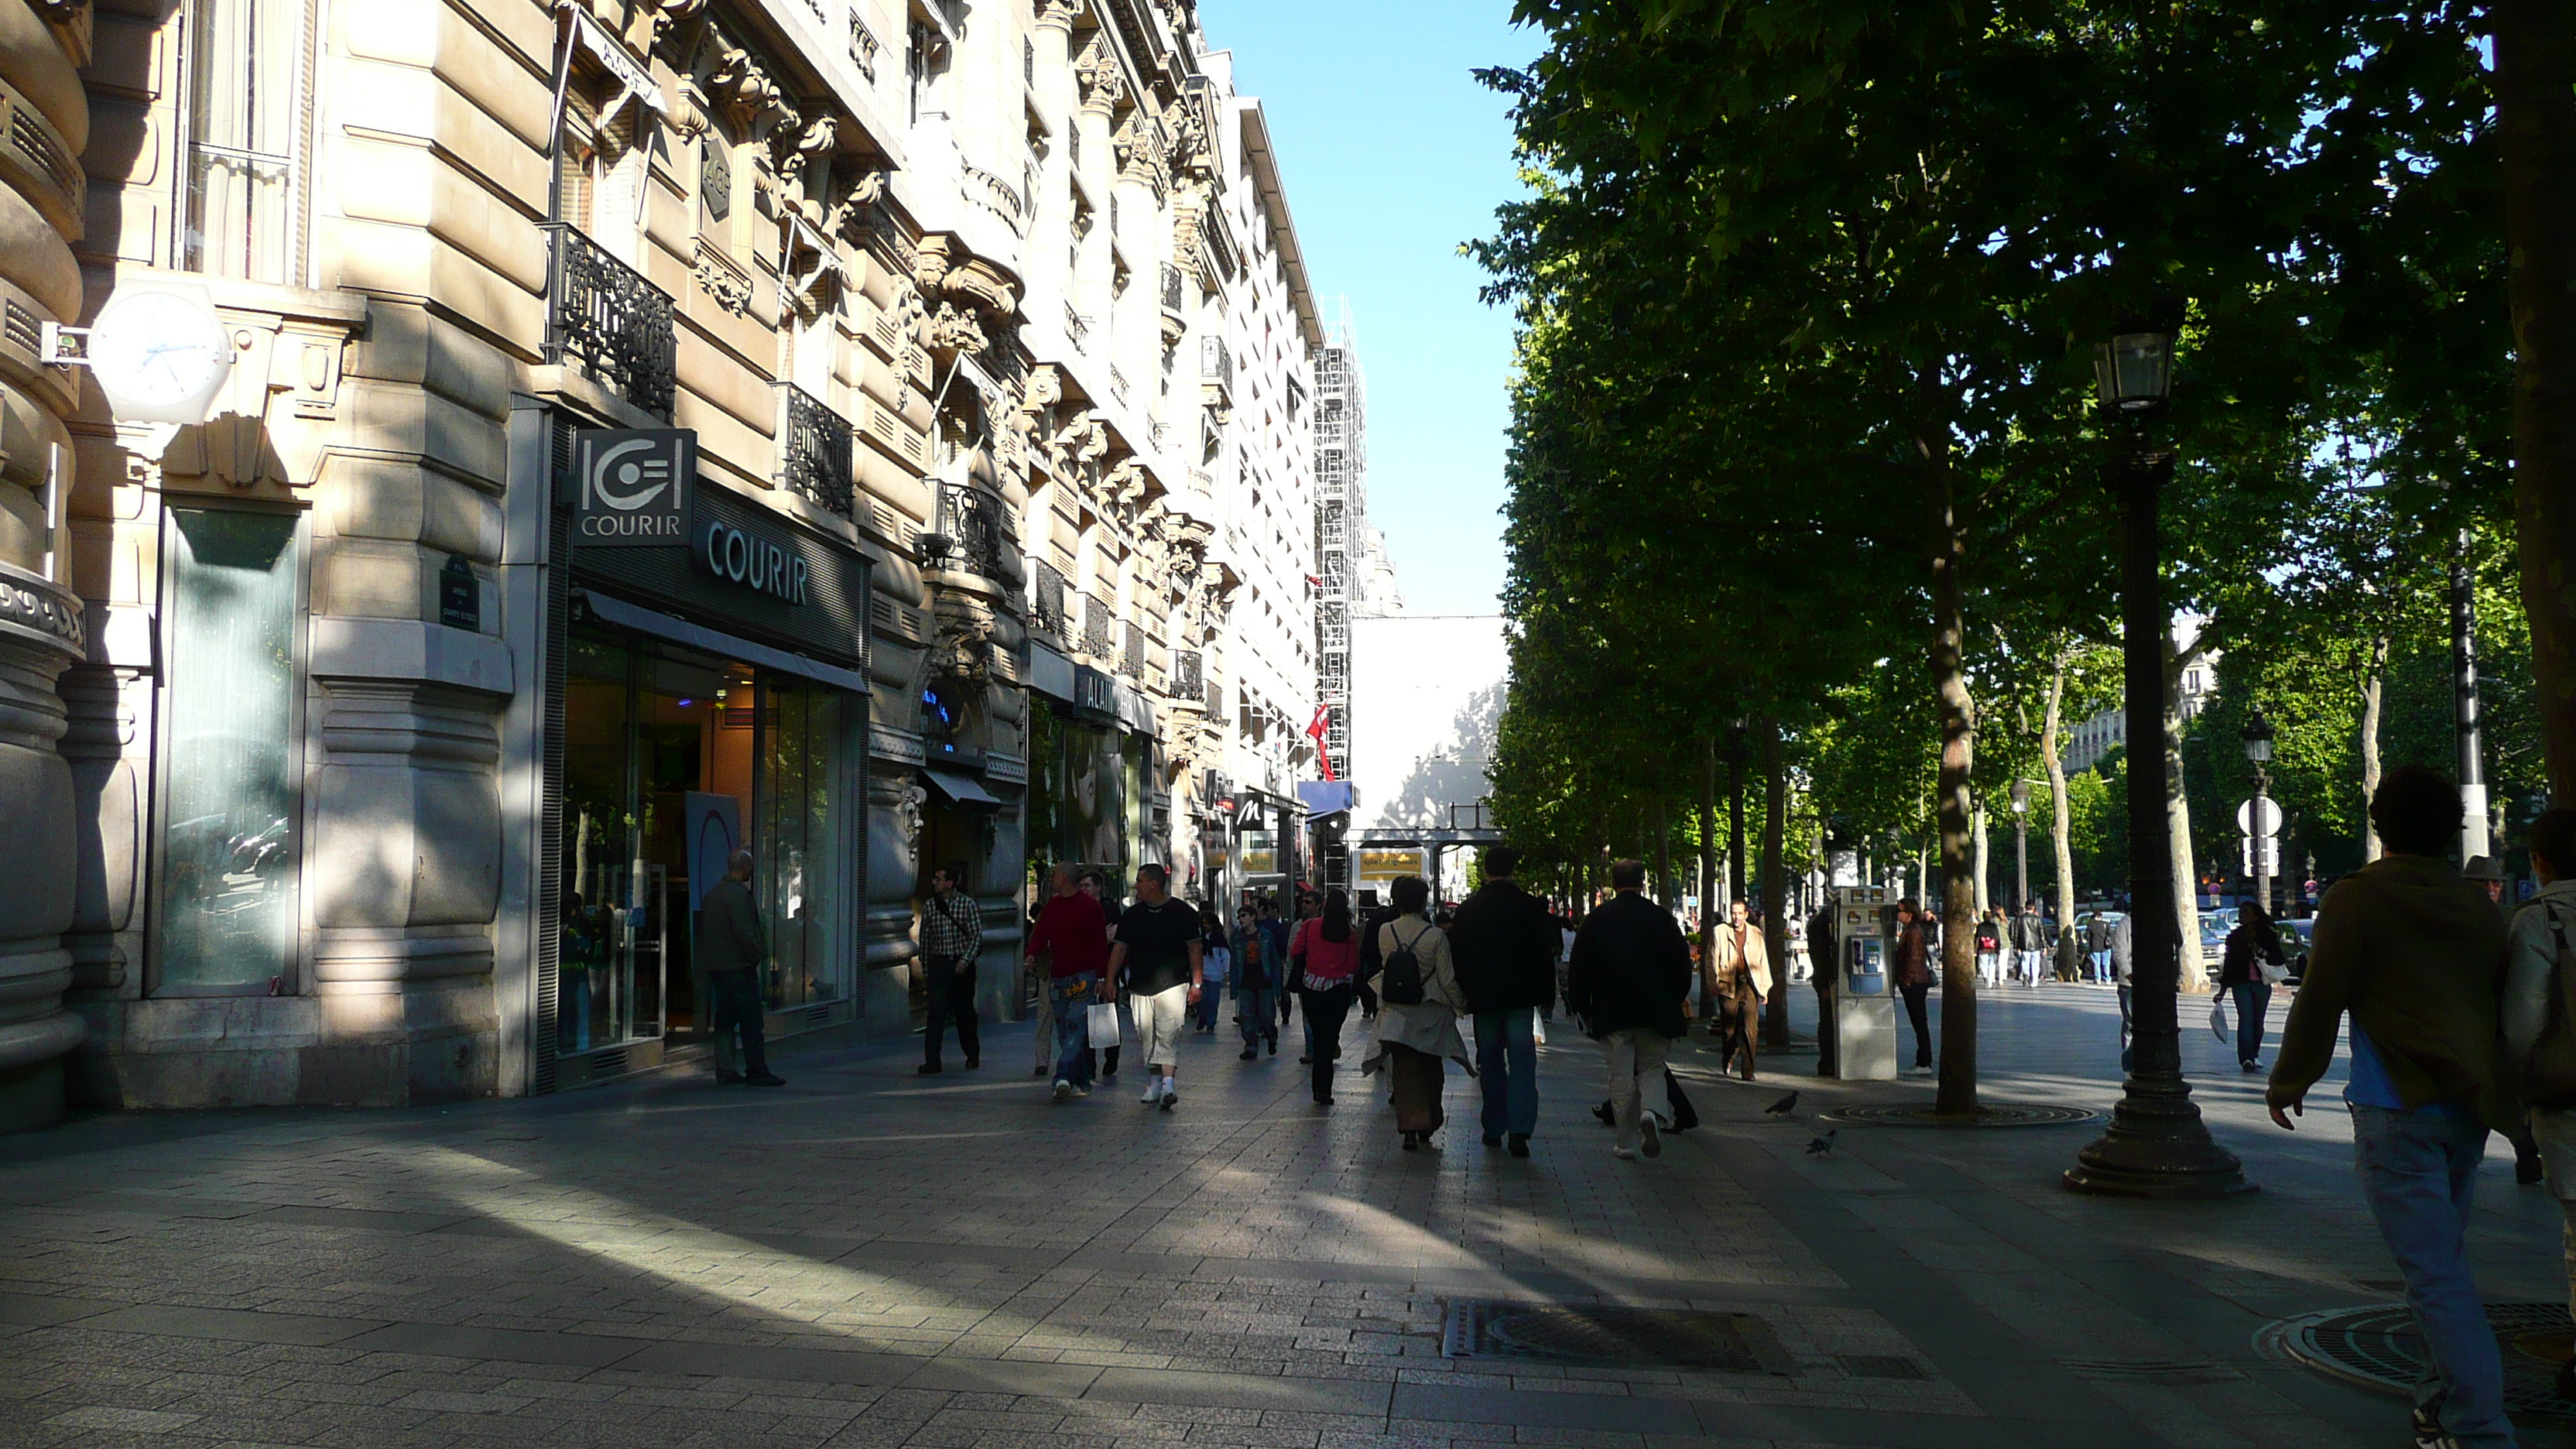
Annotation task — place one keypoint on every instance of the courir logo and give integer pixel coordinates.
(634, 487)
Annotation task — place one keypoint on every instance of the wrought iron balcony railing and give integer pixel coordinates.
(1052, 610)
(1097, 618)
(969, 536)
(814, 451)
(1132, 662)
(1186, 683)
(1172, 293)
(601, 313)
(1216, 365)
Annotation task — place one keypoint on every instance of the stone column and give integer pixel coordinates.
(42, 633)
(887, 948)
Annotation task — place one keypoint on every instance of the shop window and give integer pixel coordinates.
(799, 866)
(230, 854)
(249, 69)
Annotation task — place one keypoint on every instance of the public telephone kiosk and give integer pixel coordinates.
(1864, 1022)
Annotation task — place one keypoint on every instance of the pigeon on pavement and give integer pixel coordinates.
(1824, 1144)
(1783, 1107)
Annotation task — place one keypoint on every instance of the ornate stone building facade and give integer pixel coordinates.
(375, 753)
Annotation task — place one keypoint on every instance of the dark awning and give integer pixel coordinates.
(624, 615)
(963, 790)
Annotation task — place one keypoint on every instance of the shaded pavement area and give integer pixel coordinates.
(868, 1258)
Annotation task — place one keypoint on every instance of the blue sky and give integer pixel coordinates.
(1393, 155)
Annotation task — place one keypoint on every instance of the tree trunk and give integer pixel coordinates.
(2060, 831)
(1663, 855)
(1958, 1090)
(1775, 885)
(1711, 908)
(2373, 681)
(1735, 877)
(2535, 90)
(1983, 898)
(2186, 879)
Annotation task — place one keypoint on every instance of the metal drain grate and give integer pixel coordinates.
(2377, 1348)
(1630, 1337)
(2152, 1370)
(1880, 1366)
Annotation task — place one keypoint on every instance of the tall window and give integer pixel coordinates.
(599, 169)
(230, 855)
(249, 72)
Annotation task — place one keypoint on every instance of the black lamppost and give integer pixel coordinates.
(2156, 1146)
(2021, 844)
(2258, 752)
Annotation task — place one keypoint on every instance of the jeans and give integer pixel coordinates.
(2126, 1052)
(1636, 1061)
(952, 996)
(1254, 1006)
(1507, 1061)
(1203, 1015)
(2253, 1000)
(2101, 965)
(735, 1003)
(1324, 1013)
(1916, 1012)
(2418, 1173)
(2027, 966)
(1073, 996)
(1990, 966)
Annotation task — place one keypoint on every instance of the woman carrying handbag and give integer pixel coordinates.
(2249, 965)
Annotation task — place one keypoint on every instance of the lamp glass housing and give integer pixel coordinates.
(2258, 739)
(2020, 796)
(2134, 371)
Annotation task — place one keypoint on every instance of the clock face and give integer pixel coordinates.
(159, 356)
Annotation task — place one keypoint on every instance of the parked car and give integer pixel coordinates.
(2297, 937)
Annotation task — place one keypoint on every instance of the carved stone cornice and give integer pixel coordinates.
(1097, 77)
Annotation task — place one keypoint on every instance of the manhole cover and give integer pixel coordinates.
(2377, 1348)
(1675, 1338)
(1991, 1114)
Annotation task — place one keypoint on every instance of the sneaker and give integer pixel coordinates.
(1493, 1139)
(1171, 1096)
(974, 1062)
(2529, 1172)
(1153, 1092)
(928, 1069)
(1304, 1061)
(1063, 1090)
(1624, 1154)
(1520, 1144)
(1082, 1089)
(1039, 1070)
(2249, 1066)
(1248, 1055)
(1274, 1046)
(1608, 1118)
(1653, 1143)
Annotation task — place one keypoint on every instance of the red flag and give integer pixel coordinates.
(1315, 732)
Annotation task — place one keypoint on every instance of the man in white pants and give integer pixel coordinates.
(1155, 956)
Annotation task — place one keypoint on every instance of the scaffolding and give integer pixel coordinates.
(1341, 522)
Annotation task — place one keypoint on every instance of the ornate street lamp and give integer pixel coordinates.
(2258, 753)
(2157, 1145)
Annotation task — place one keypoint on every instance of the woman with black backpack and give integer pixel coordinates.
(1417, 1023)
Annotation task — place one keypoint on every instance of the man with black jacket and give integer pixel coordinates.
(1504, 944)
(1629, 972)
(733, 948)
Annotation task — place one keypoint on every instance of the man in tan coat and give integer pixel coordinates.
(1739, 973)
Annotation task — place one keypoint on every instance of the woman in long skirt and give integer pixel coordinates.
(1417, 1023)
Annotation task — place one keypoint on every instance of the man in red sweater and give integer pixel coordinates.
(1073, 935)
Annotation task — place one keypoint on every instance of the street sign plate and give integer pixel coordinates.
(2269, 808)
(2269, 863)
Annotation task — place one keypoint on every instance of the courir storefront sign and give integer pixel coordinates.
(740, 556)
(634, 487)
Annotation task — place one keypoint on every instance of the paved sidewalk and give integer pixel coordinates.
(867, 1258)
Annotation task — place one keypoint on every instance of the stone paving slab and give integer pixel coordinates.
(867, 1259)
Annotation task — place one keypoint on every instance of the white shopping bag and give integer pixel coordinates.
(1103, 1024)
(1538, 1030)
(2218, 1020)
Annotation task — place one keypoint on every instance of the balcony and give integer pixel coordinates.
(1188, 685)
(1216, 368)
(1132, 661)
(1051, 611)
(969, 536)
(1176, 319)
(814, 451)
(1098, 618)
(603, 315)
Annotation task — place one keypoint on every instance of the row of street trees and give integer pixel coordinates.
(1809, 292)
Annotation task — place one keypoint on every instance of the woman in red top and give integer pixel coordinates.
(1323, 960)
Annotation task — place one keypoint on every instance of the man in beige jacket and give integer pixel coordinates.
(1739, 973)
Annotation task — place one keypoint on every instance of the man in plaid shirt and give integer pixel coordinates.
(952, 935)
